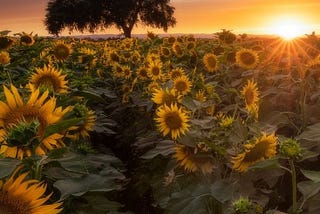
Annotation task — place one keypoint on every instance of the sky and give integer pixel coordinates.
(193, 16)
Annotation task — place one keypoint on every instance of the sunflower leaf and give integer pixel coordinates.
(7, 165)
(61, 126)
(312, 175)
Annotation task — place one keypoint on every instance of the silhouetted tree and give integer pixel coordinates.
(94, 14)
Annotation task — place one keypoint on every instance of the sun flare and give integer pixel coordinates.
(289, 28)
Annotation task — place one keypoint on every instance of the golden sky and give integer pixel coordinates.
(193, 16)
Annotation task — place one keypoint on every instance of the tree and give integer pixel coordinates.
(94, 14)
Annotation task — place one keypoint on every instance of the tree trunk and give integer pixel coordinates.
(127, 32)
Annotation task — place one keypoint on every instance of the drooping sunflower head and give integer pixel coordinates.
(166, 97)
(154, 70)
(247, 58)
(61, 50)
(262, 148)
(172, 119)
(250, 94)
(5, 42)
(182, 84)
(4, 58)
(83, 129)
(194, 159)
(20, 195)
(210, 61)
(26, 39)
(49, 78)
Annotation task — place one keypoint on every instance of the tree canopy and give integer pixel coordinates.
(100, 14)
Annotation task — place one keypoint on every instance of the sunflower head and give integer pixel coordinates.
(210, 61)
(154, 70)
(176, 72)
(61, 50)
(177, 49)
(26, 39)
(165, 52)
(194, 159)
(4, 58)
(247, 58)
(290, 148)
(49, 78)
(5, 42)
(262, 148)
(166, 97)
(182, 84)
(227, 36)
(201, 96)
(250, 94)
(19, 194)
(153, 86)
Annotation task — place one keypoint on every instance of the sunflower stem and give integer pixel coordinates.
(9, 76)
(294, 186)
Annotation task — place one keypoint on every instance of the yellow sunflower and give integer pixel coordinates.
(172, 119)
(182, 84)
(165, 52)
(250, 94)
(177, 49)
(113, 56)
(247, 58)
(83, 129)
(142, 73)
(154, 70)
(176, 72)
(166, 97)
(50, 79)
(262, 148)
(200, 96)
(26, 39)
(4, 58)
(61, 50)
(20, 195)
(191, 45)
(194, 159)
(153, 86)
(210, 61)
(37, 110)
(117, 70)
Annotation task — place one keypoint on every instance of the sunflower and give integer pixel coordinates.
(20, 195)
(35, 110)
(142, 73)
(88, 57)
(194, 159)
(250, 94)
(126, 72)
(191, 45)
(4, 58)
(210, 61)
(171, 39)
(154, 70)
(61, 51)
(247, 58)
(262, 148)
(153, 86)
(177, 49)
(5, 42)
(165, 52)
(113, 56)
(176, 72)
(49, 78)
(117, 70)
(200, 96)
(166, 97)
(172, 119)
(182, 84)
(83, 129)
(26, 39)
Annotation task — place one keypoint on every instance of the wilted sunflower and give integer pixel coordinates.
(19, 195)
(172, 120)
(26, 39)
(4, 58)
(182, 84)
(61, 50)
(210, 61)
(49, 78)
(89, 118)
(247, 58)
(154, 70)
(36, 110)
(166, 97)
(194, 159)
(263, 148)
(250, 94)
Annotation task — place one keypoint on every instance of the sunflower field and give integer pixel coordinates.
(176, 124)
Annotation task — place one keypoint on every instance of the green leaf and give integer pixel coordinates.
(222, 191)
(311, 133)
(165, 148)
(312, 175)
(61, 126)
(266, 164)
(308, 189)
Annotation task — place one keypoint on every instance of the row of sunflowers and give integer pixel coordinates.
(175, 124)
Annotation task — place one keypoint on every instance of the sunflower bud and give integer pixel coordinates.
(290, 148)
(242, 205)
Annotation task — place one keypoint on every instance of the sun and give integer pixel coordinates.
(288, 28)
